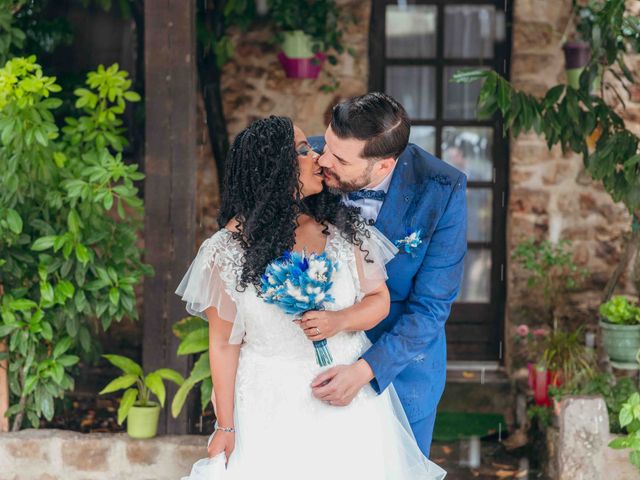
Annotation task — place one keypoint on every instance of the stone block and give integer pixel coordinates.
(141, 452)
(86, 454)
(584, 435)
(525, 200)
(530, 152)
(533, 36)
(30, 449)
(532, 63)
(558, 171)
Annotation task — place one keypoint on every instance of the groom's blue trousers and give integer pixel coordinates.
(423, 431)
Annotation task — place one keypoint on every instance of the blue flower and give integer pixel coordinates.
(409, 243)
(297, 282)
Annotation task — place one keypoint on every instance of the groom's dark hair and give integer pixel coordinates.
(377, 118)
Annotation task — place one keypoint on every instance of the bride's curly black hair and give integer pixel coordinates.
(261, 192)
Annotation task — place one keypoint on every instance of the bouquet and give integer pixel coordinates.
(298, 283)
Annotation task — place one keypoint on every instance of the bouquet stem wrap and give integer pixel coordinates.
(323, 355)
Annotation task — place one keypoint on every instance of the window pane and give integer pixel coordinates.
(460, 99)
(411, 31)
(479, 208)
(424, 137)
(469, 31)
(476, 284)
(415, 89)
(469, 149)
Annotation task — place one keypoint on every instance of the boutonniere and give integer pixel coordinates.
(409, 243)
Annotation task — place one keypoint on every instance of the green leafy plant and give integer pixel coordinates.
(614, 391)
(193, 333)
(540, 413)
(566, 354)
(630, 419)
(577, 119)
(323, 20)
(70, 217)
(145, 385)
(12, 38)
(551, 268)
(620, 311)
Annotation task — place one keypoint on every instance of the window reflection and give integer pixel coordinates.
(470, 150)
(410, 31)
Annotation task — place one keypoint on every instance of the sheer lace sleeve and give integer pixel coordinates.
(379, 251)
(210, 281)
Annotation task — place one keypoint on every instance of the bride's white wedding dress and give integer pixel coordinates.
(282, 431)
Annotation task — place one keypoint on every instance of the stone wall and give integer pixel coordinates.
(551, 196)
(63, 455)
(255, 86)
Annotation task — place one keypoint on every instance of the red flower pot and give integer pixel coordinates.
(302, 67)
(542, 380)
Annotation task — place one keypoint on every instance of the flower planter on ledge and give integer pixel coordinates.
(622, 343)
(142, 422)
(302, 67)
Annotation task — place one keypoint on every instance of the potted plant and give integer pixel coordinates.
(531, 342)
(620, 324)
(307, 31)
(136, 405)
(552, 272)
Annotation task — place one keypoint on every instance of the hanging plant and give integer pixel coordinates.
(309, 32)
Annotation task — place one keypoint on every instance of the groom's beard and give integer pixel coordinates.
(341, 186)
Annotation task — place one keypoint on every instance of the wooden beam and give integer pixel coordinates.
(170, 185)
(4, 391)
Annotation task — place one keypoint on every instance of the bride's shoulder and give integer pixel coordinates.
(221, 247)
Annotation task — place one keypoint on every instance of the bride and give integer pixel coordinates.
(269, 425)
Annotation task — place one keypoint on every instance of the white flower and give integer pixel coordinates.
(317, 270)
(295, 292)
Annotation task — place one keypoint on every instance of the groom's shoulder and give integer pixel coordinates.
(428, 168)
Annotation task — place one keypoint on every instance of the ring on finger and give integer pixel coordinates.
(317, 331)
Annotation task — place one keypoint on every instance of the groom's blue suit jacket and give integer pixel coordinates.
(409, 346)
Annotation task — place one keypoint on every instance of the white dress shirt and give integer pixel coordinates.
(369, 208)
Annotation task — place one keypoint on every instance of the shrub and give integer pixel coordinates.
(69, 223)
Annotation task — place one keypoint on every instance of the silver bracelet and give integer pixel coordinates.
(224, 429)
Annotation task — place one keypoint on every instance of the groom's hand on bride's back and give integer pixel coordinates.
(339, 385)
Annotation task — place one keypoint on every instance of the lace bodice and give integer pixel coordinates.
(214, 275)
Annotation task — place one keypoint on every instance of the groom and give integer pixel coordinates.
(418, 202)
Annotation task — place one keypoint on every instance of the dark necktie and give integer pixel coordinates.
(368, 194)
